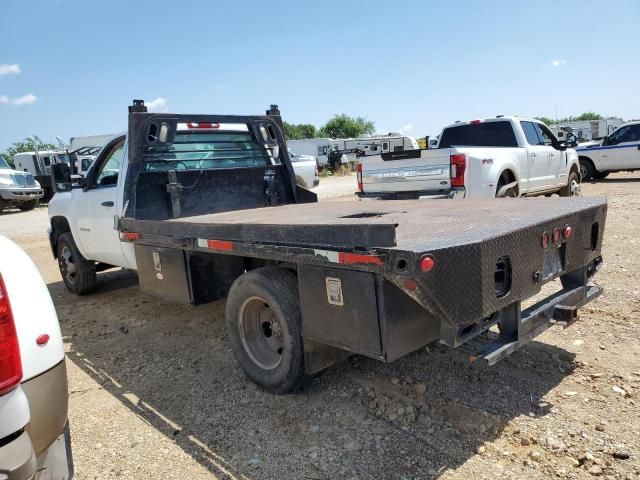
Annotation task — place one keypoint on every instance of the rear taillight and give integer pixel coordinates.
(10, 365)
(458, 167)
(203, 125)
(359, 175)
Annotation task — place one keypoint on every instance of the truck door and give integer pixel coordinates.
(623, 149)
(542, 158)
(98, 209)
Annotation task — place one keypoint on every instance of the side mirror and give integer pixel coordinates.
(562, 146)
(605, 141)
(61, 177)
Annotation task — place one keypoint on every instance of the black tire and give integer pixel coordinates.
(78, 273)
(30, 205)
(569, 190)
(504, 180)
(600, 175)
(275, 291)
(586, 169)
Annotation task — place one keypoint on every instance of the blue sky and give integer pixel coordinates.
(71, 67)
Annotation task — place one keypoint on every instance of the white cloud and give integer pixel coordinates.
(556, 63)
(23, 100)
(157, 105)
(6, 69)
(406, 128)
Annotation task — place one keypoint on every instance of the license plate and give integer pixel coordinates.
(552, 263)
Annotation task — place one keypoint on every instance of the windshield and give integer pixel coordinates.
(207, 150)
(3, 163)
(484, 134)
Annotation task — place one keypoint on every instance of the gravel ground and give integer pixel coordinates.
(155, 391)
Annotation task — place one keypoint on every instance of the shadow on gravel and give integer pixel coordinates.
(415, 418)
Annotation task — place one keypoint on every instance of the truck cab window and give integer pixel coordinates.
(630, 133)
(107, 174)
(531, 133)
(545, 135)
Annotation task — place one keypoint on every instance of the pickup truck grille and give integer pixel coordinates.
(24, 180)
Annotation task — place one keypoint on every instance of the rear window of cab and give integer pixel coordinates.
(483, 134)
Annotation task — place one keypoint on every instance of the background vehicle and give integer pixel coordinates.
(39, 164)
(497, 157)
(306, 169)
(365, 145)
(617, 152)
(207, 206)
(34, 435)
(18, 189)
(587, 130)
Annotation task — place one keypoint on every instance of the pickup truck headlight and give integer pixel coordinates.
(6, 182)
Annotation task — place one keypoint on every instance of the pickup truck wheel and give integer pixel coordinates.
(504, 180)
(572, 188)
(30, 205)
(264, 324)
(586, 169)
(78, 273)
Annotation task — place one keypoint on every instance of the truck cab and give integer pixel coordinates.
(618, 151)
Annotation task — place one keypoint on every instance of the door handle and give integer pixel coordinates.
(533, 156)
(107, 204)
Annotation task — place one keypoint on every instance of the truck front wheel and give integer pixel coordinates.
(573, 185)
(78, 273)
(30, 205)
(264, 325)
(586, 169)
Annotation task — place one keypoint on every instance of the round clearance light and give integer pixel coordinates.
(545, 240)
(426, 263)
(556, 235)
(566, 233)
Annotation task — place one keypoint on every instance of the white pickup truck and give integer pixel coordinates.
(619, 151)
(497, 157)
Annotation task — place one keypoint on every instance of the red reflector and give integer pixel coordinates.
(474, 122)
(42, 339)
(130, 236)
(566, 233)
(545, 240)
(203, 125)
(351, 258)
(426, 263)
(458, 166)
(220, 245)
(359, 176)
(10, 364)
(556, 235)
(410, 284)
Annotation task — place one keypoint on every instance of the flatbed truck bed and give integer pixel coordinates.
(210, 208)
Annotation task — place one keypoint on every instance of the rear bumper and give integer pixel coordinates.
(21, 194)
(457, 192)
(17, 458)
(48, 403)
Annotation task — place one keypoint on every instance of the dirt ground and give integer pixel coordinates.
(155, 391)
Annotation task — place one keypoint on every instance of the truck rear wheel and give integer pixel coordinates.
(78, 273)
(30, 205)
(264, 324)
(600, 175)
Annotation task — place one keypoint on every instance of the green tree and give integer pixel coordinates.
(545, 120)
(344, 126)
(24, 146)
(297, 132)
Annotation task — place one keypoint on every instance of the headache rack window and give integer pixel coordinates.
(206, 151)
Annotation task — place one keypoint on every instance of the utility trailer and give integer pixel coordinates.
(308, 283)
